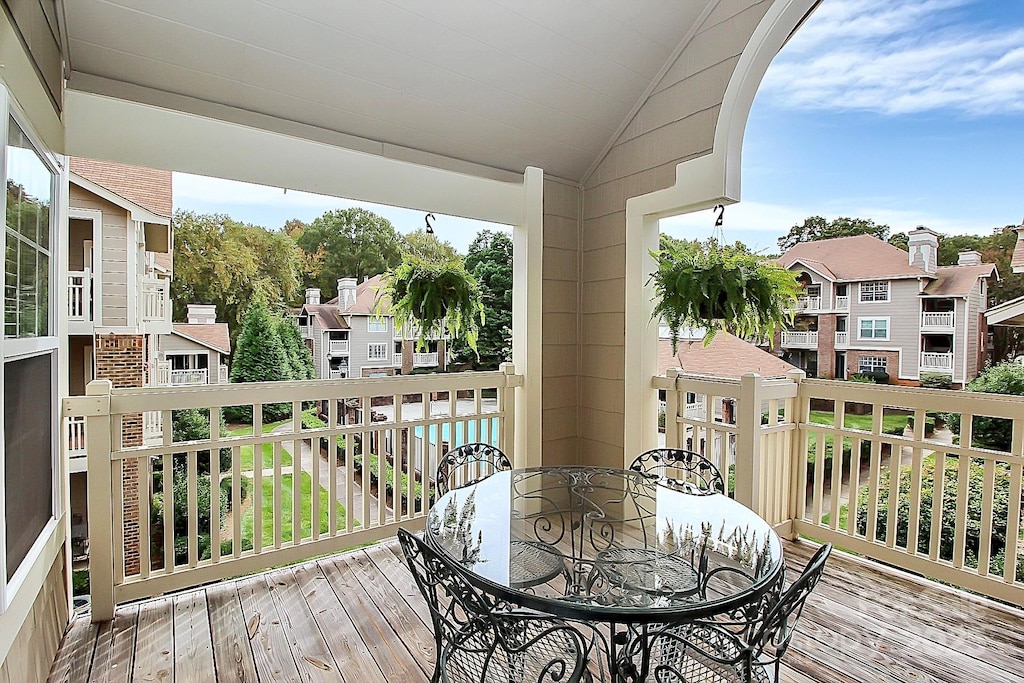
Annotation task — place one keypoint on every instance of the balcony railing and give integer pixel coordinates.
(807, 340)
(198, 376)
(808, 303)
(937, 321)
(922, 500)
(338, 373)
(842, 339)
(75, 436)
(80, 296)
(222, 375)
(842, 303)
(939, 362)
(337, 347)
(155, 304)
(152, 426)
(370, 480)
(420, 360)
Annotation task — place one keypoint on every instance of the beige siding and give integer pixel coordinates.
(904, 313)
(35, 645)
(115, 284)
(975, 306)
(561, 323)
(676, 123)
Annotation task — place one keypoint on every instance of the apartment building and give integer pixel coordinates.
(867, 305)
(349, 337)
(118, 294)
(195, 351)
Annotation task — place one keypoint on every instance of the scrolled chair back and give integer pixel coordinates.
(479, 638)
(468, 464)
(684, 468)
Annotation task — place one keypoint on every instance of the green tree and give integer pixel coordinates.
(992, 432)
(817, 228)
(951, 246)
(349, 243)
(490, 261)
(427, 246)
(901, 240)
(220, 261)
(259, 356)
(300, 358)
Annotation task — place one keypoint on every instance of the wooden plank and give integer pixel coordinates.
(154, 650)
(74, 659)
(114, 656)
(193, 646)
(391, 563)
(309, 649)
(231, 652)
(384, 642)
(353, 657)
(266, 633)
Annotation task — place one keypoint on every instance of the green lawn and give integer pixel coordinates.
(268, 448)
(890, 422)
(267, 519)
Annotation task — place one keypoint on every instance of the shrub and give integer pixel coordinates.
(193, 424)
(990, 432)
(861, 378)
(936, 380)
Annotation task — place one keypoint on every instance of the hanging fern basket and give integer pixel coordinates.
(431, 297)
(716, 287)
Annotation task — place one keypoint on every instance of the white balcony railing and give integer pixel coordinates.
(155, 301)
(806, 340)
(842, 339)
(936, 362)
(789, 473)
(940, 321)
(79, 296)
(373, 481)
(808, 303)
(222, 375)
(186, 377)
(152, 426)
(337, 347)
(75, 436)
(420, 360)
(842, 303)
(338, 373)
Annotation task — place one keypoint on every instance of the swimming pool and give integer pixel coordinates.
(465, 432)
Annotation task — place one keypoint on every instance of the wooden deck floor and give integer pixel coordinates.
(357, 618)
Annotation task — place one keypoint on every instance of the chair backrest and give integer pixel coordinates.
(775, 630)
(683, 466)
(467, 465)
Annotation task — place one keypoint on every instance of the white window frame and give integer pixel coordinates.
(874, 321)
(26, 347)
(370, 351)
(377, 323)
(874, 286)
(883, 366)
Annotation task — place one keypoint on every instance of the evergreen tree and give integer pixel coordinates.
(300, 358)
(490, 261)
(259, 357)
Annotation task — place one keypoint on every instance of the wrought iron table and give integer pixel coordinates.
(640, 553)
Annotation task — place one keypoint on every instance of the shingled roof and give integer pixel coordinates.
(958, 280)
(212, 335)
(862, 257)
(726, 356)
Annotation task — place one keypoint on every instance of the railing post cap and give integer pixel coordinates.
(672, 373)
(508, 368)
(99, 387)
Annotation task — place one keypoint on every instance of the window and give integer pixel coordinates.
(30, 467)
(377, 324)
(873, 328)
(377, 351)
(874, 291)
(872, 363)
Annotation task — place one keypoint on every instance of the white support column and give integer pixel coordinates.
(748, 442)
(100, 501)
(641, 343)
(527, 318)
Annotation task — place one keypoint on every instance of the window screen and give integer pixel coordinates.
(28, 444)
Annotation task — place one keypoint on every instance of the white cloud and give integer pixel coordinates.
(898, 58)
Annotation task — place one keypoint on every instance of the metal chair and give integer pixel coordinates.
(697, 473)
(713, 652)
(479, 639)
(531, 563)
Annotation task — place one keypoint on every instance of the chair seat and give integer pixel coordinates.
(532, 563)
(701, 654)
(648, 571)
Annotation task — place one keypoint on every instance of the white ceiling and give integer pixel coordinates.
(504, 83)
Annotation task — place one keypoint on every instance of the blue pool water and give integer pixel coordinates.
(464, 432)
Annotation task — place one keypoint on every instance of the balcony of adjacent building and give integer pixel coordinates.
(937, 354)
(938, 316)
(153, 303)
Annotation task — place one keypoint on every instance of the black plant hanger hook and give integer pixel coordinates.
(718, 233)
(427, 219)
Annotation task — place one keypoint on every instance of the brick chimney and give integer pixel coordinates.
(969, 258)
(346, 293)
(923, 245)
(313, 296)
(201, 314)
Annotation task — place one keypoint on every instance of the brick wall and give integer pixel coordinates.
(120, 358)
(827, 346)
(892, 362)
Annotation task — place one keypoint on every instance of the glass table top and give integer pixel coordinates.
(609, 544)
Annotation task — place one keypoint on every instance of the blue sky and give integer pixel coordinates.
(906, 112)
